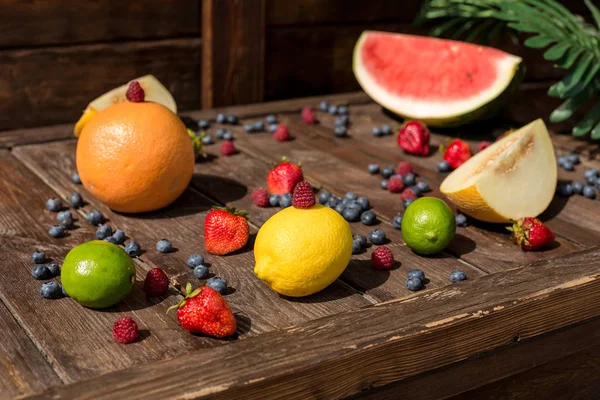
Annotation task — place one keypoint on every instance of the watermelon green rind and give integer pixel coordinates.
(443, 114)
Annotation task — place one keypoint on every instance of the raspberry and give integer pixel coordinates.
(395, 184)
(227, 148)
(135, 93)
(303, 196)
(260, 197)
(408, 194)
(125, 330)
(482, 146)
(156, 283)
(404, 168)
(308, 115)
(413, 138)
(281, 133)
(382, 258)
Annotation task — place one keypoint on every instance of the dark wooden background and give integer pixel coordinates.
(55, 56)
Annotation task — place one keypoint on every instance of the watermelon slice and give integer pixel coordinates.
(440, 82)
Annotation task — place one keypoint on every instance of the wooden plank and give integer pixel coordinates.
(26, 371)
(259, 308)
(43, 23)
(234, 52)
(343, 354)
(59, 94)
(36, 135)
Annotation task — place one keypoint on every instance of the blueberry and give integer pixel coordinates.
(561, 160)
(340, 131)
(133, 249)
(201, 272)
(376, 131)
(119, 236)
(221, 118)
(75, 200)
(590, 173)
(53, 205)
(346, 201)
(258, 126)
(355, 205)
(351, 196)
(232, 119)
(351, 214)
(64, 293)
(409, 179)
(332, 202)
(385, 130)
(38, 257)
(383, 184)
(577, 187)
(457, 276)
(416, 273)
(94, 217)
(194, 260)
(274, 200)
(589, 192)
(333, 110)
(443, 166)
(373, 168)
(41, 272)
(387, 172)
(221, 133)
(356, 246)
(423, 186)
(342, 110)
(416, 190)
(66, 221)
(207, 140)
(597, 183)
(397, 222)
(324, 106)
(591, 180)
(341, 121)
(271, 119)
(574, 158)
(63, 214)
(324, 197)
(110, 239)
(362, 239)
(104, 231)
(568, 166)
(164, 246)
(75, 178)
(227, 135)
(203, 124)
(248, 128)
(377, 236)
(57, 231)
(368, 218)
(286, 200)
(461, 220)
(407, 203)
(217, 283)
(340, 207)
(50, 290)
(565, 190)
(273, 128)
(363, 202)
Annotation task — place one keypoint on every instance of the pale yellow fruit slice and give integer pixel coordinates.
(154, 91)
(513, 178)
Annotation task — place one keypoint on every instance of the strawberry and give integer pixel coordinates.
(531, 234)
(413, 138)
(205, 311)
(457, 152)
(282, 134)
(284, 177)
(225, 230)
(483, 145)
(308, 115)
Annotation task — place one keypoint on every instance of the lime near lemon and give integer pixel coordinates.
(428, 226)
(299, 252)
(97, 274)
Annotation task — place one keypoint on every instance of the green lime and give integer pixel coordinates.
(428, 225)
(97, 274)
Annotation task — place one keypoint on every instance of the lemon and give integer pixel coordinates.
(299, 252)
(428, 226)
(97, 274)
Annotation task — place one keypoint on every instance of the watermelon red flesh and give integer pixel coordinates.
(430, 78)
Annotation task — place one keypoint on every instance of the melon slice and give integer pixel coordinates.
(440, 82)
(513, 178)
(154, 91)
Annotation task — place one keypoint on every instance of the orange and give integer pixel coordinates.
(135, 157)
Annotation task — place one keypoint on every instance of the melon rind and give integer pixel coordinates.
(443, 114)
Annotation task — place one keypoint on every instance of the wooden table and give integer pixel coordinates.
(524, 325)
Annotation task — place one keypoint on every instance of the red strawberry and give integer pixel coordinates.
(303, 196)
(531, 234)
(404, 168)
(408, 194)
(225, 230)
(284, 177)
(413, 138)
(308, 115)
(260, 197)
(205, 311)
(156, 282)
(483, 145)
(395, 184)
(382, 258)
(282, 133)
(228, 148)
(135, 93)
(125, 330)
(457, 153)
